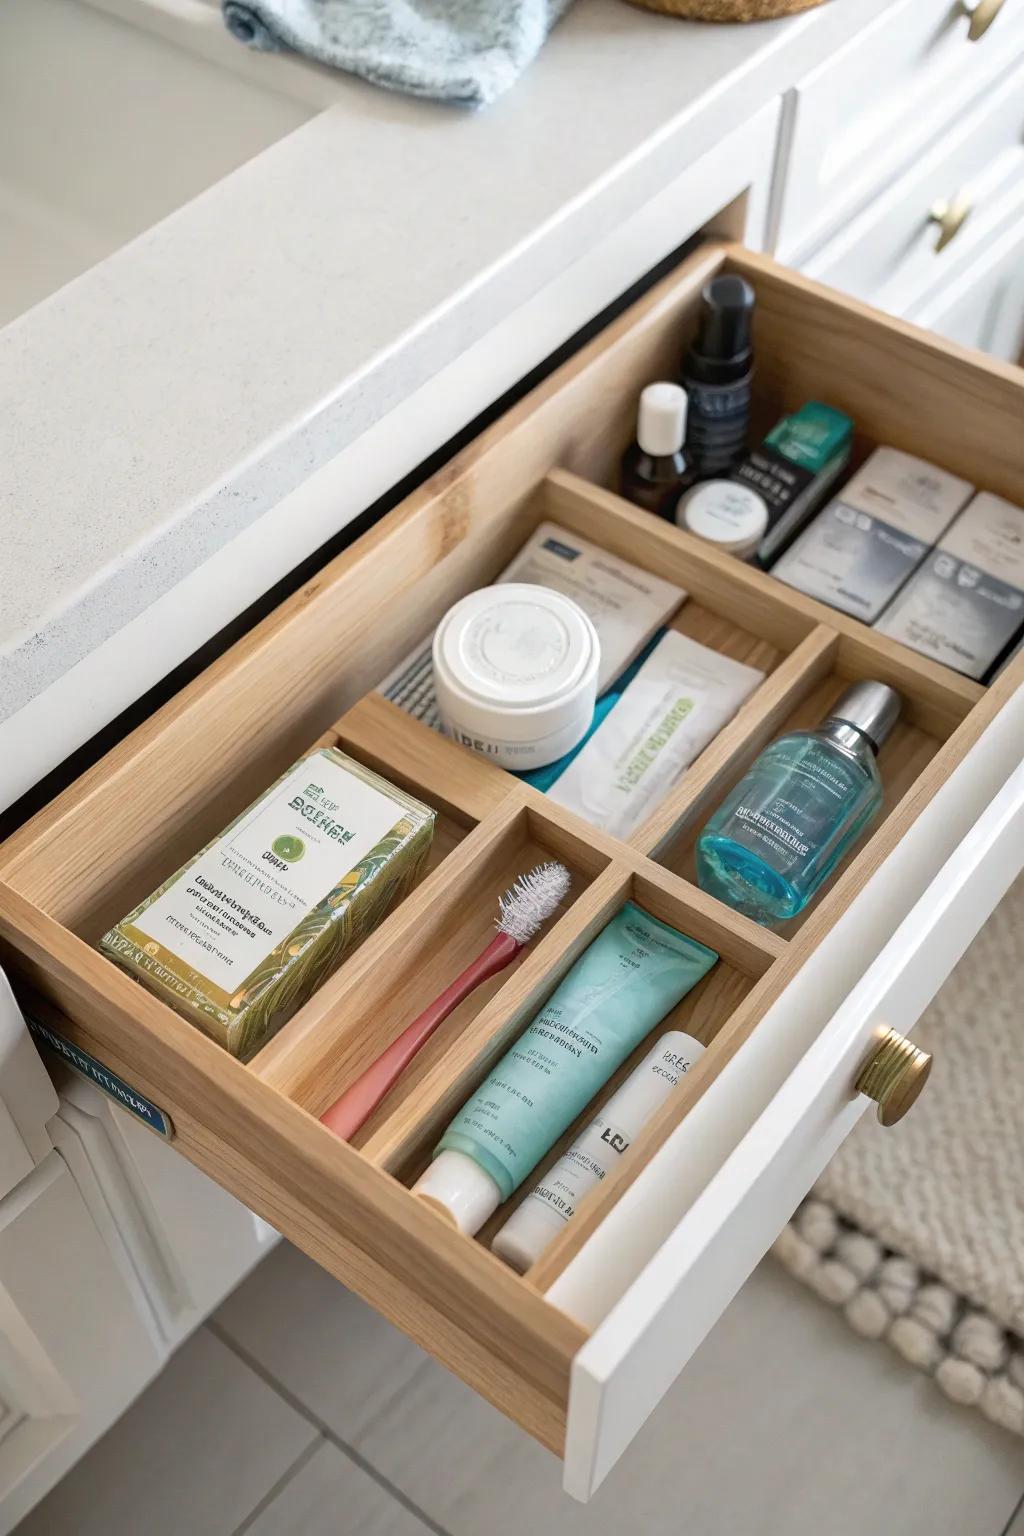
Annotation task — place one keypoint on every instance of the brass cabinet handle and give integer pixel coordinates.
(981, 14)
(950, 216)
(894, 1075)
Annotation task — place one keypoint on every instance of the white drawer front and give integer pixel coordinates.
(862, 116)
(889, 255)
(983, 303)
(661, 1269)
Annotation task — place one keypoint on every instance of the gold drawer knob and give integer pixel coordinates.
(894, 1075)
(981, 14)
(950, 217)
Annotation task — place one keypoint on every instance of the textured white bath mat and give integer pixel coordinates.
(917, 1232)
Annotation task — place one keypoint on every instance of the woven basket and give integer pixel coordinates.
(728, 10)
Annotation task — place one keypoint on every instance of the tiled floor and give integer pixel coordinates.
(297, 1412)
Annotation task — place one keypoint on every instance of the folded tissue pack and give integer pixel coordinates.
(465, 51)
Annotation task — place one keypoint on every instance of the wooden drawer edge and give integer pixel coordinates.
(452, 1297)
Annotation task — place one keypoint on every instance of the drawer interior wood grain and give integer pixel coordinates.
(307, 675)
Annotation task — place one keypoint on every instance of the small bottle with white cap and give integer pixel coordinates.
(655, 471)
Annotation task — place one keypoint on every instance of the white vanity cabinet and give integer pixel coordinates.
(74, 1346)
(581, 1351)
(905, 77)
(112, 1249)
(982, 303)
(903, 181)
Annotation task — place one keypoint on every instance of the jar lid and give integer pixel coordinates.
(516, 645)
(725, 513)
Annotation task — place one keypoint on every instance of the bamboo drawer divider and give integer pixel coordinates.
(306, 676)
(808, 652)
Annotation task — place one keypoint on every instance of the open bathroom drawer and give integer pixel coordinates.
(580, 1350)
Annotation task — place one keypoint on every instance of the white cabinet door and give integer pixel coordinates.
(180, 1241)
(984, 304)
(890, 254)
(866, 113)
(27, 1097)
(74, 1350)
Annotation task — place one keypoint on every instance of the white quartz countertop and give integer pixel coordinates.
(161, 403)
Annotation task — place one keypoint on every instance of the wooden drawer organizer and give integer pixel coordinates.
(305, 675)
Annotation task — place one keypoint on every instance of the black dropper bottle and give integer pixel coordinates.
(717, 372)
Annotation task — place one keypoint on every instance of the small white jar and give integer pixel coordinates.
(724, 513)
(515, 671)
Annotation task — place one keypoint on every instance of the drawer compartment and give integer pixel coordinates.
(308, 675)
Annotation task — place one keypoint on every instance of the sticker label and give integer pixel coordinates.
(113, 1086)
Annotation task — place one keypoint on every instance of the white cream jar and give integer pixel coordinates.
(727, 514)
(515, 669)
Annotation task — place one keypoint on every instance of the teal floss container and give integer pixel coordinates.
(798, 809)
(633, 974)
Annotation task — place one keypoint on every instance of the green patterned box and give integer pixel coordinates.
(243, 934)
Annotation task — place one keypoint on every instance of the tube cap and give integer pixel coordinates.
(661, 422)
(526, 1234)
(460, 1189)
(871, 708)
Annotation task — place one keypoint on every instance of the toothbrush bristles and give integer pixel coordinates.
(531, 899)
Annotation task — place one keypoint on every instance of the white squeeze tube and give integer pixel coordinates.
(554, 1200)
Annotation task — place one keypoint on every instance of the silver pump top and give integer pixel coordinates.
(871, 708)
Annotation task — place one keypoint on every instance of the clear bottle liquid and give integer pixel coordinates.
(798, 809)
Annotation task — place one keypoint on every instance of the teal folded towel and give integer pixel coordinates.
(465, 51)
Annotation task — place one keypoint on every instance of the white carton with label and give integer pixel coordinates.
(863, 546)
(966, 603)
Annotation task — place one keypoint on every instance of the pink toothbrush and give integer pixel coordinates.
(523, 908)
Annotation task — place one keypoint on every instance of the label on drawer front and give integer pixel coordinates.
(113, 1086)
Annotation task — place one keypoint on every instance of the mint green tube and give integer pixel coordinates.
(634, 972)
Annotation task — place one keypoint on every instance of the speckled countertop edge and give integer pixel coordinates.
(166, 399)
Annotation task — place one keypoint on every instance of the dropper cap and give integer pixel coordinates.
(871, 708)
(661, 420)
